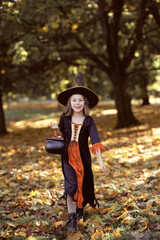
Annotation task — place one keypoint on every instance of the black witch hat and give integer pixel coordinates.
(78, 88)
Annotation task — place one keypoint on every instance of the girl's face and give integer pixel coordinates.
(77, 103)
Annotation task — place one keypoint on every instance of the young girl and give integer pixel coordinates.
(76, 126)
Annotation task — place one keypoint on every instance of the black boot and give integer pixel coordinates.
(79, 212)
(72, 222)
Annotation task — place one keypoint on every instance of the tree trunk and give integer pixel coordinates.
(145, 101)
(145, 98)
(125, 117)
(3, 130)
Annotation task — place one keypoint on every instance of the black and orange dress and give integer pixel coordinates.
(76, 162)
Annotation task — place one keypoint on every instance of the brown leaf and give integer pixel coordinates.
(74, 236)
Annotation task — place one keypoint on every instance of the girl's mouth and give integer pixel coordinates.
(78, 107)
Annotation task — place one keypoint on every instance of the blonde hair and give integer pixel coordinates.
(69, 111)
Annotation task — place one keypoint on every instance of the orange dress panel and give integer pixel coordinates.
(76, 162)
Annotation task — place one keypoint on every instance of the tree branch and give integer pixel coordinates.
(155, 46)
(137, 35)
(91, 55)
(117, 11)
(106, 28)
(154, 8)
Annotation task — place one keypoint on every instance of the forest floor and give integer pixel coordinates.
(32, 181)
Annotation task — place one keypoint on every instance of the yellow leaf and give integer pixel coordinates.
(40, 201)
(131, 198)
(58, 208)
(97, 235)
(124, 215)
(55, 25)
(129, 220)
(144, 212)
(107, 229)
(15, 214)
(45, 28)
(22, 234)
(116, 233)
(73, 11)
(82, 223)
(144, 196)
(153, 216)
(33, 193)
(74, 27)
(106, 210)
(91, 209)
(31, 238)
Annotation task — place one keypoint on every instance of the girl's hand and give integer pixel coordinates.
(54, 126)
(103, 167)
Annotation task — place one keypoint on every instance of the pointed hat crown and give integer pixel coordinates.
(78, 88)
(79, 80)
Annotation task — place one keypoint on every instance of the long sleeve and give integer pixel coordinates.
(61, 125)
(95, 140)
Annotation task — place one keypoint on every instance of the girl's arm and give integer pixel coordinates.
(96, 145)
(101, 163)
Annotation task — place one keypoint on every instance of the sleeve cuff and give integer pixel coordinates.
(96, 146)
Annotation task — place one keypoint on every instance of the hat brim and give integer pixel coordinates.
(86, 92)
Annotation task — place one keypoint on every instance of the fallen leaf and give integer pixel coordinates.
(104, 211)
(142, 229)
(59, 223)
(31, 238)
(107, 229)
(74, 236)
(116, 233)
(97, 235)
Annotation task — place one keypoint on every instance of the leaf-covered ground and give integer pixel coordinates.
(32, 181)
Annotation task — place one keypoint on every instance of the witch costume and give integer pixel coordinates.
(76, 162)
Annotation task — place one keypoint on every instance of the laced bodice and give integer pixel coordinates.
(75, 131)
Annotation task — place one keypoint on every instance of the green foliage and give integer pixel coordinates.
(44, 44)
(97, 218)
(24, 220)
(108, 236)
(45, 37)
